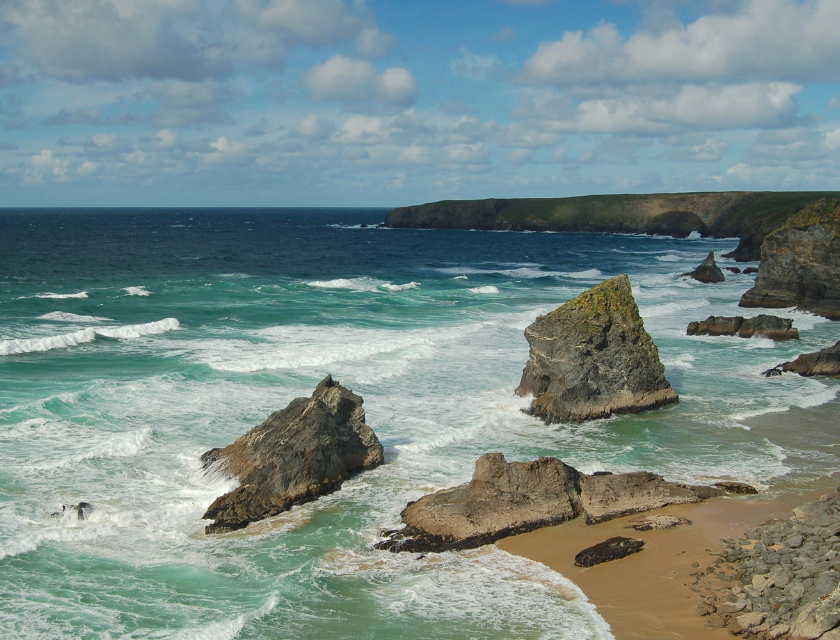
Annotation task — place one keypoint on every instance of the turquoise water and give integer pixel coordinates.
(132, 341)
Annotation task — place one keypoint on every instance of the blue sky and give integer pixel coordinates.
(393, 102)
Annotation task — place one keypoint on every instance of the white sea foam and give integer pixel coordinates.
(399, 287)
(47, 343)
(681, 361)
(226, 629)
(62, 296)
(137, 291)
(589, 274)
(694, 235)
(460, 278)
(64, 316)
(671, 308)
(490, 289)
(121, 445)
(354, 284)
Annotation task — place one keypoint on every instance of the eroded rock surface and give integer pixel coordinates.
(708, 272)
(591, 358)
(825, 362)
(656, 522)
(505, 499)
(763, 326)
(800, 263)
(612, 549)
(304, 451)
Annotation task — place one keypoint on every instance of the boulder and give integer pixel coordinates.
(621, 494)
(815, 619)
(741, 488)
(502, 499)
(763, 326)
(800, 263)
(591, 358)
(825, 362)
(708, 272)
(304, 451)
(657, 522)
(733, 269)
(505, 499)
(612, 549)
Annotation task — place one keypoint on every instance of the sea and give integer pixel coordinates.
(133, 340)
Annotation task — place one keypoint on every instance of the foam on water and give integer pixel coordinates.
(137, 291)
(64, 316)
(671, 308)
(226, 629)
(82, 336)
(118, 446)
(400, 287)
(488, 289)
(62, 296)
(589, 274)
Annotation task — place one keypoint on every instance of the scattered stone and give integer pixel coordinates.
(733, 269)
(750, 270)
(800, 263)
(741, 488)
(505, 499)
(298, 454)
(763, 326)
(708, 272)
(656, 522)
(612, 549)
(825, 362)
(746, 622)
(591, 358)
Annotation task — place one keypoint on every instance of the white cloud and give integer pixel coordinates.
(711, 149)
(165, 138)
(768, 40)
(45, 163)
(87, 168)
(346, 79)
(472, 65)
(314, 127)
(372, 43)
(832, 139)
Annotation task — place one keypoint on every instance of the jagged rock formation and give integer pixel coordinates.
(505, 499)
(707, 272)
(304, 451)
(780, 579)
(750, 216)
(592, 357)
(763, 326)
(800, 263)
(825, 362)
(612, 549)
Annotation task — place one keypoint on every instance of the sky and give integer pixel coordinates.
(288, 103)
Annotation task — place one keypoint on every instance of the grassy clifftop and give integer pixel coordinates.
(748, 215)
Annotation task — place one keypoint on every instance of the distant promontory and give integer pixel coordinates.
(747, 215)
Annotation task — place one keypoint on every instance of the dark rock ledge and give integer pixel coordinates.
(505, 499)
(300, 453)
(763, 326)
(825, 362)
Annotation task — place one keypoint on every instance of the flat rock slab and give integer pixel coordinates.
(762, 326)
(609, 550)
(656, 522)
(300, 453)
(591, 358)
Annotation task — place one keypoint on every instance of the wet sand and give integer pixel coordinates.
(647, 596)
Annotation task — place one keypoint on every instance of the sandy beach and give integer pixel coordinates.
(648, 596)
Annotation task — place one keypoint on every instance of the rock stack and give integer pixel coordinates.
(304, 451)
(591, 358)
(708, 272)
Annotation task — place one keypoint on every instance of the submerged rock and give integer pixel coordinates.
(591, 358)
(304, 451)
(81, 510)
(800, 263)
(763, 326)
(505, 499)
(708, 272)
(825, 362)
(612, 549)
(741, 488)
(750, 270)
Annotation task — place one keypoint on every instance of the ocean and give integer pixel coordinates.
(131, 341)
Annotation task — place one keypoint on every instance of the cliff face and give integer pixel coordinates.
(800, 263)
(750, 216)
(592, 357)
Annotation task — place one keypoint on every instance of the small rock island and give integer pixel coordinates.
(300, 453)
(591, 358)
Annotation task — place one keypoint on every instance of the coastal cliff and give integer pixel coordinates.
(751, 216)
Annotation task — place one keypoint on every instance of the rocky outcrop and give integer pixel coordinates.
(707, 272)
(612, 549)
(763, 326)
(657, 522)
(800, 263)
(738, 488)
(780, 578)
(304, 451)
(591, 358)
(505, 499)
(825, 362)
(605, 497)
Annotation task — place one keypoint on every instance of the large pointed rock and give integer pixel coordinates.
(304, 451)
(592, 357)
(507, 498)
(708, 272)
(800, 263)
